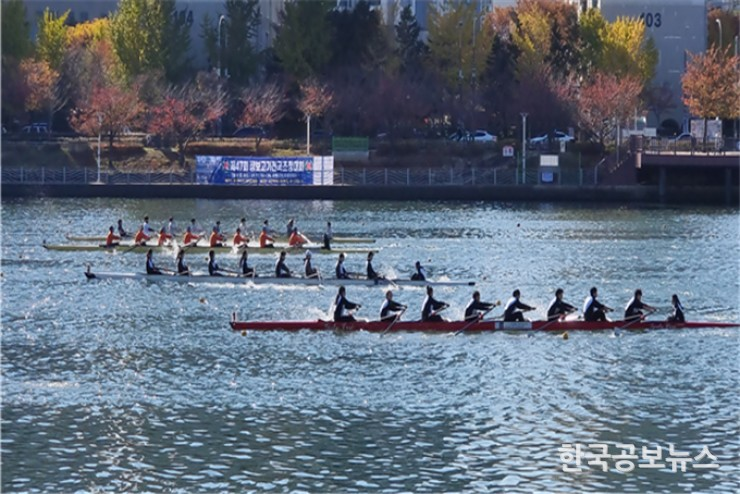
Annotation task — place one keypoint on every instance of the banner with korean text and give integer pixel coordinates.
(255, 170)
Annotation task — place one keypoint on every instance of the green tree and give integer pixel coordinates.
(303, 41)
(242, 22)
(16, 34)
(51, 40)
(358, 38)
(176, 59)
(409, 46)
(531, 36)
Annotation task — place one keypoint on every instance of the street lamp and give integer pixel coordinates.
(719, 24)
(100, 131)
(221, 19)
(524, 147)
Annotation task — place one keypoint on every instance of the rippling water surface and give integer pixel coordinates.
(127, 385)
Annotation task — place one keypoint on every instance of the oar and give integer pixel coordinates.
(142, 244)
(395, 319)
(633, 321)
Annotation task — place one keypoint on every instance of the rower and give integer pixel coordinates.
(281, 270)
(420, 274)
(266, 241)
(239, 239)
(147, 229)
(163, 237)
(217, 227)
(150, 267)
(121, 232)
(593, 310)
(431, 307)
(243, 225)
(195, 227)
(514, 309)
(371, 273)
(296, 239)
(328, 236)
(557, 308)
(677, 315)
(391, 310)
(182, 268)
(190, 238)
(213, 268)
(110, 239)
(171, 229)
(339, 270)
(141, 237)
(635, 307)
(216, 239)
(289, 228)
(310, 271)
(342, 305)
(244, 267)
(475, 307)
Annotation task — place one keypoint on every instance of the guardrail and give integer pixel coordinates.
(415, 177)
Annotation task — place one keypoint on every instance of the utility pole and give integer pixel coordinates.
(221, 19)
(524, 147)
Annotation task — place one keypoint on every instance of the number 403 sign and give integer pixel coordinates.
(651, 19)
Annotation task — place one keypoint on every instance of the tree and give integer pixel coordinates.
(242, 23)
(606, 101)
(409, 46)
(44, 89)
(303, 40)
(16, 33)
(315, 100)
(531, 33)
(500, 82)
(658, 100)
(710, 85)
(358, 38)
(185, 111)
(51, 40)
(264, 104)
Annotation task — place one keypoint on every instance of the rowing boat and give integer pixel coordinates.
(478, 327)
(315, 248)
(259, 280)
(335, 240)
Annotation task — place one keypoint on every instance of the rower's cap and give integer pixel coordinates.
(172, 219)
(192, 220)
(308, 254)
(244, 220)
(189, 229)
(146, 218)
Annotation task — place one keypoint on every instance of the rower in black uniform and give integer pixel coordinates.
(244, 266)
(593, 310)
(557, 308)
(150, 267)
(281, 270)
(340, 272)
(635, 307)
(310, 271)
(391, 310)
(475, 307)
(121, 231)
(182, 268)
(677, 315)
(213, 268)
(371, 273)
(514, 310)
(342, 306)
(431, 307)
(328, 236)
(420, 274)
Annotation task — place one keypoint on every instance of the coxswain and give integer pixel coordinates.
(141, 237)
(244, 268)
(171, 229)
(281, 270)
(239, 239)
(339, 270)
(342, 306)
(195, 227)
(216, 239)
(296, 239)
(147, 229)
(111, 239)
(677, 315)
(391, 310)
(475, 308)
(328, 236)
(557, 308)
(289, 228)
(150, 267)
(431, 307)
(635, 307)
(182, 268)
(371, 273)
(420, 274)
(213, 268)
(266, 241)
(514, 309)
(311, 272)
(121, 232)
(190, 238)
(593, 310)
(163, 238)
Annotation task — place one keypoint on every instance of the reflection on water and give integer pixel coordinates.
(137, 386)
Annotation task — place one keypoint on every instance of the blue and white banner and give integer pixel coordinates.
(247, 170)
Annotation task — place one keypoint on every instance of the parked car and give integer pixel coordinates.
(555, 136)
(35, 128)
(250, 132)
(482, 136)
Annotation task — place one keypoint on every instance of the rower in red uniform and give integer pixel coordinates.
(635, 306)
(110, 239)
(164, 237)
(216, 239)
(239, 239)
(296, 239)
(342, 306)
(141, 237)
(266, 241)
(190, 238)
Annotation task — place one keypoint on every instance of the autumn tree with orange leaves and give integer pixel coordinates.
(44, 91)
(264, 104)
(606, 101)
(315, 100)
(711, 88)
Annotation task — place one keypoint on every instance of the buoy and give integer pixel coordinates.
(244, 333)
(202, 300)
(565, 335)
(518, 225)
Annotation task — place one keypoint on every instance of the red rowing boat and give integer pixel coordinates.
(477, 327)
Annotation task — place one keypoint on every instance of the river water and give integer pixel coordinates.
(136, 386)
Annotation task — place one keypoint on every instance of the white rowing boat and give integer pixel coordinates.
(267, 280)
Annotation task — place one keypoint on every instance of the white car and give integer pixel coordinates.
(556, 136)
(482, 136)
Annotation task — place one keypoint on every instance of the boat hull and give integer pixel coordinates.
(232, 278)
(479, 327)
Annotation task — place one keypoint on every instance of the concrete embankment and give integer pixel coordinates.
(538, 193)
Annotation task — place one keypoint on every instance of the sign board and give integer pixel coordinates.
(508, 151)
(714, 129)
(549, 160)
(253, 170)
